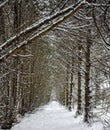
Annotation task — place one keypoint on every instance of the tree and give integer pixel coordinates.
(87, 80)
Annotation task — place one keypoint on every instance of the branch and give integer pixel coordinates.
(3, 3)
(106, 44)
(42, 28)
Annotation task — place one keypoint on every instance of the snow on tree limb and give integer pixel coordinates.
(39, 29)
(3, 3)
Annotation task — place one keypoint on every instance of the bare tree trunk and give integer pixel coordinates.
(71, 87)
(87, 80)
(79, 82)
(67, 86)
(2, 26)
(66, 96)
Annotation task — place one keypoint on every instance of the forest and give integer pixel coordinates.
(55, 50)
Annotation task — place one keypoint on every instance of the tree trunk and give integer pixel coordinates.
(79, 82)
(71, 86)
(87, 79)
(67, 86)
(2, 26)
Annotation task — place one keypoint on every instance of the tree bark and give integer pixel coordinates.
(87, 80)
(71, 85)
(67, 86)
(79, 82)
(2, 26)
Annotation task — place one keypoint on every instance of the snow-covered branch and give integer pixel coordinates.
(3, 3)
(42, 27)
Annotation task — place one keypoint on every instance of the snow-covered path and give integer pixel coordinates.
(53, 117)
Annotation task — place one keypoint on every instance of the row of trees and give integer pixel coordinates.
(74, 59)
(85, 76)
(82, 54)
(24, 77)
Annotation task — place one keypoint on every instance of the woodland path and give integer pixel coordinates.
(52, 117)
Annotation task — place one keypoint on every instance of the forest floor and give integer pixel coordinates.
(54, 117)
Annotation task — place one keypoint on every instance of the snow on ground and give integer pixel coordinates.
(54, 117)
